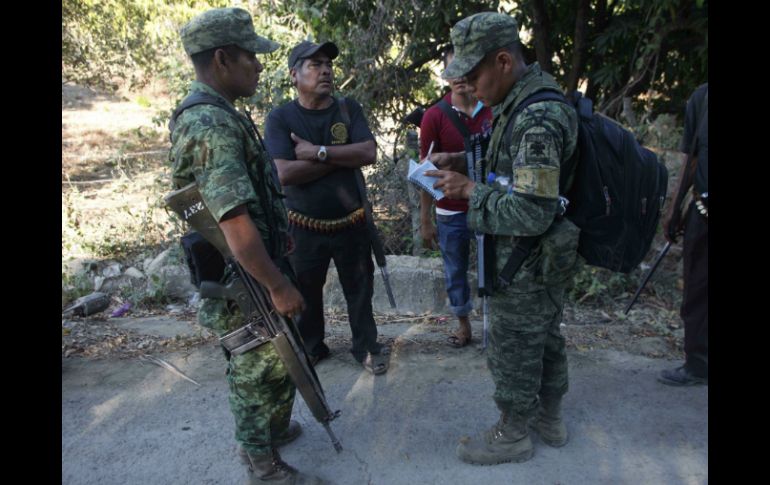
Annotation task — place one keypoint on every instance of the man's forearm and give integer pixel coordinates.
(426, 203)
(354, 155)
(296, 172)
(246, 244)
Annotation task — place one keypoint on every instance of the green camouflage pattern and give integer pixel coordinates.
(224, 26)
(209, 146)
(526, 354)
(474, 36)
(543, 137)
(214, 149)
(261, 392)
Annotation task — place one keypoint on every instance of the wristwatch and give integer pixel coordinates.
(322, 154)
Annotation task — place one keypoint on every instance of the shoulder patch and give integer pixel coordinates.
(538, 147)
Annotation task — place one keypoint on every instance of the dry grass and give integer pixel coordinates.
(114, 172)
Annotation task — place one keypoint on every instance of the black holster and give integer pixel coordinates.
(203, 259)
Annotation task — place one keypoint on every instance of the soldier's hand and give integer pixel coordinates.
(287, 299)
(429, 235)
(454, 185)
(304, 150)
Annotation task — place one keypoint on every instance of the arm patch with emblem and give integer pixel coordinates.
(536, 170)
(538, 148)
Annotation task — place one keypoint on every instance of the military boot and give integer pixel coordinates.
(507, 441)
(269, 468)
(291, 434)
(548, 423)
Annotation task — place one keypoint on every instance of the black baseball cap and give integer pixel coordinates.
(306, 49)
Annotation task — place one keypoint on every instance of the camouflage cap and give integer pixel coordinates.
(223, 26)
(474, 36)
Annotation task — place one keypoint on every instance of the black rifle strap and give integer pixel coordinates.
(451, 113)
(472, 143)
(379, 254)
(525, 244)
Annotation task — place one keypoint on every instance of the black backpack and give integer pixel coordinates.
(617, 193)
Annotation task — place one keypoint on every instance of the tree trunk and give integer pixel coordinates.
(542, 28)
(580, 46)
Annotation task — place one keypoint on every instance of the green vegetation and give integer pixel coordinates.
(638, 60)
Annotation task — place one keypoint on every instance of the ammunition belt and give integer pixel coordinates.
(701, 203)
(327, 226)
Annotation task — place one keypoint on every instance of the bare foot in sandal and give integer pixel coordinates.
(462, 335)
(377, 364)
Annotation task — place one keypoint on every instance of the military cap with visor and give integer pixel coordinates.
(475, 36)
(306, 49)
(220, 27)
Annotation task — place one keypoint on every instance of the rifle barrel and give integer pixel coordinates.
(647, 277)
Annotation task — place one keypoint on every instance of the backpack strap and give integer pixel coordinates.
(524, 245)
(539, 96)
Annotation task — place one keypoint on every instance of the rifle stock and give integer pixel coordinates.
(263, 323)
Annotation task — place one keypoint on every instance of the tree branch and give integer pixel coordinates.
(580, 46)
(542, 27)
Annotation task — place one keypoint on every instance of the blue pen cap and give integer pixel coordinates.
(491, 178)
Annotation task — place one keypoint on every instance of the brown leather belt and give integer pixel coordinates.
(327, 226)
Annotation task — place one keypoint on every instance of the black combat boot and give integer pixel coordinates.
(507, 441)
(269, 468)
(548, 423)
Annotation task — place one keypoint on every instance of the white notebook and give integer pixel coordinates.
(417, 176)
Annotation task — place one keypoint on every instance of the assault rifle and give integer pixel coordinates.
(263, 323)
(475, 166)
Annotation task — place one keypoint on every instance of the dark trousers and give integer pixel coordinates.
(351, 251)
(695, 299)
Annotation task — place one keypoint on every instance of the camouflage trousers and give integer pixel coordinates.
(526, 354)
(261, 392)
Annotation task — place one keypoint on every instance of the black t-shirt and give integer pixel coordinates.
(335, 194)
(697, 120)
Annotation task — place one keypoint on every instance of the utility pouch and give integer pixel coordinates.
(203, 259)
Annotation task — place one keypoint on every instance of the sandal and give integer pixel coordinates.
(459, 341)
(376, 364)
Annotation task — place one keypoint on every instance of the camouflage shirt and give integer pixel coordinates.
(544, 135)
(213, 148)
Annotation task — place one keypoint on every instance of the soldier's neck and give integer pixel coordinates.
(213, 83)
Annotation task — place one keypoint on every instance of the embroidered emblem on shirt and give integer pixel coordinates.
(339, 133)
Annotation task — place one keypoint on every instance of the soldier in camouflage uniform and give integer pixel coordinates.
(236, 179)
(526, 355)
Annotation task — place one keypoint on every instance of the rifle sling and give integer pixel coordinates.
(379, 255)
(452, 115)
